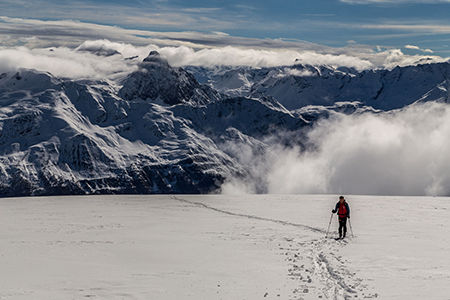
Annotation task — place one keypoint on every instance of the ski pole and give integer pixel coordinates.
(329, 225)
(350, 223)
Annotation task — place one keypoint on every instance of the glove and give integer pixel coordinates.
(333, 211)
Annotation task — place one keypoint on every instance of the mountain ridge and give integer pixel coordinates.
(298, 85)
(160, 130)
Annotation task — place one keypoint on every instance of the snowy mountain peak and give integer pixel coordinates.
(153, 60)
(157, 81)
(152, 54)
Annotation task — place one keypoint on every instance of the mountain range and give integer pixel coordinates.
(164, 129)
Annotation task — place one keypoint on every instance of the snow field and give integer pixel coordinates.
(222, 247)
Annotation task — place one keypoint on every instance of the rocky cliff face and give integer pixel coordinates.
(161, 131)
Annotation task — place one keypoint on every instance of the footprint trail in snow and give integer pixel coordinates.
(312, 261)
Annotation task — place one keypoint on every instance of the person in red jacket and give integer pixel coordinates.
(343, 211)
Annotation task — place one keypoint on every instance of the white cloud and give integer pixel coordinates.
(65, 62)
(412, 47)
(417, 48)
(415, 29)
(79, 63)
(401, 153)
(234, 56)
(397, 153)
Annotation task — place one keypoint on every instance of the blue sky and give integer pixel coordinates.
(414, 26)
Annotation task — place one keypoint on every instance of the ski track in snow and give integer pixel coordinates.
(249, 216)
(314, 263)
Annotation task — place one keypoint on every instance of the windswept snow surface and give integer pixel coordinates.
(222, 247)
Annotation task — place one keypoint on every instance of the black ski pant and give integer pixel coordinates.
(342, 226)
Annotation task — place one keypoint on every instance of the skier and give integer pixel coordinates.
(343, 211)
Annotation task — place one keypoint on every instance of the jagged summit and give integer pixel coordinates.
(158, 82)
(155, 57)
(154, 61)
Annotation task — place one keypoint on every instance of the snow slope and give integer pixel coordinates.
(222, 247)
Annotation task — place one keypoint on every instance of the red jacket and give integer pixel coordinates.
(343, 209)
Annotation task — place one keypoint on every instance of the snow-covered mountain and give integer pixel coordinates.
(65, 137)
(160, 130)
(299, 85)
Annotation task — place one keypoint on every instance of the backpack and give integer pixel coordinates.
(343, 210)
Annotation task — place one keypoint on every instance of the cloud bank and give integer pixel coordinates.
(398, 153)
(71, 41)
(64, 62)
(104, 59)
